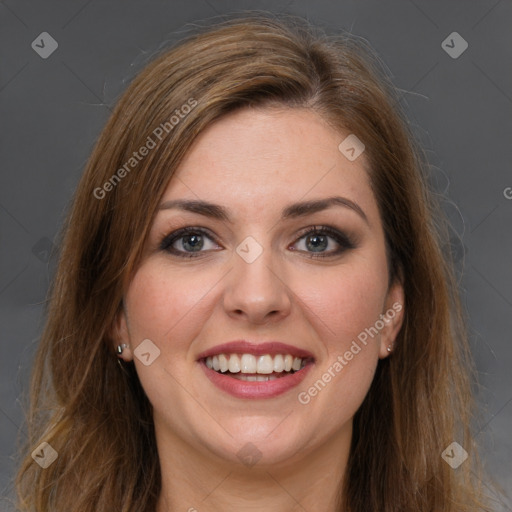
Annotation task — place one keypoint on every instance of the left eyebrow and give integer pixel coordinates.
(309, 207)
(295, 210)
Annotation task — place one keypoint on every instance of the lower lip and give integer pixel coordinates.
(250, 389)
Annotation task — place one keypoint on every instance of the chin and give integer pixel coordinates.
(262, 441)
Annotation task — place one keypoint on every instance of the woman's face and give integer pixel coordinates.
(249, 270)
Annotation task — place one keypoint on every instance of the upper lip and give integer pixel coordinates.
(258, 349)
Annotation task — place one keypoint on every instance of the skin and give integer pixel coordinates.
(255, 162)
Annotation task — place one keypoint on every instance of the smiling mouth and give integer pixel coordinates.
(248, 367)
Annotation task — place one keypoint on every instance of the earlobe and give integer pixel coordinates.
(392, 316)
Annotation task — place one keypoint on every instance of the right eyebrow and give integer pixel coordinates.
(295, 210)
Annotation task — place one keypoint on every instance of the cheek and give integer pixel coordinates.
(165, 306)
(344, 304)
(344, 301)
(159, 300)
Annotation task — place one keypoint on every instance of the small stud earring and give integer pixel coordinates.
(120, 348)
(389, 348)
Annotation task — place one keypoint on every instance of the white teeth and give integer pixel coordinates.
(254, 378)
(265, 364)
(250, 364)
(234, 363)
(223, 363)
(278, 363)
(263, 378)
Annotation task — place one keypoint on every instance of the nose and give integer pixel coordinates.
(257, 292)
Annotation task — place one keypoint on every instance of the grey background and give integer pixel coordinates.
(53, 109)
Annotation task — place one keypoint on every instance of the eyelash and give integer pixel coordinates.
(340, 238)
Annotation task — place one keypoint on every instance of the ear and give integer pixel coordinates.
(392, 317)
(119, 334)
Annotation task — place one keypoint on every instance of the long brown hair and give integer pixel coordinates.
(97, 416)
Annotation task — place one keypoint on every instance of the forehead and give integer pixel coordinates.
(266, 158)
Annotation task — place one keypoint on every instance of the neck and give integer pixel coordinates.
(196, 481)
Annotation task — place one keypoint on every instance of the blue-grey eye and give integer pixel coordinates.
(187, 241)
(323, 241)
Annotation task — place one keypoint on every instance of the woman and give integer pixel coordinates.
(251, 309)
